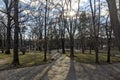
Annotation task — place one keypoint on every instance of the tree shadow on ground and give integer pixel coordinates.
(72, 72)
(97, 72)
(45, 75)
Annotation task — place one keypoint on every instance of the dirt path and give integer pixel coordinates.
(63, 69)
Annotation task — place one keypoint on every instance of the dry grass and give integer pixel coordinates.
(90, 58)
(29, 59)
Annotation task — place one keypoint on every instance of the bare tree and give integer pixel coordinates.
(108, 31)
(96, 26)
(82, 29)
(3, 34)
(62, 28)
(71, 26)
(45, 35)
(8, 12)
(114, 19)
(16, 31)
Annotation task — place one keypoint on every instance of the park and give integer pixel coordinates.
(59, 39)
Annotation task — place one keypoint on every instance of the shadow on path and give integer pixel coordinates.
(45, 74)
(72, 72)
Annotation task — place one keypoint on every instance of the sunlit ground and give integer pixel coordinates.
(29, 59)
(90, 58)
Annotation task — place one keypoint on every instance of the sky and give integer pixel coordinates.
(83, 6)
(74, 2)
(83, 3)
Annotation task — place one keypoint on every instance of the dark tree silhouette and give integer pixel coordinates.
(45, 36)
(114, 19)
(8, 7)
(16, 31)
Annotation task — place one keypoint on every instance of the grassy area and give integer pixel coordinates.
(90, 58)
(29, 59)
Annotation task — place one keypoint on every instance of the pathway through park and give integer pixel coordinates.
(63, 69)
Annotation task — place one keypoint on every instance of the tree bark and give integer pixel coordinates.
(16, 31)
(21, 40)
(119, 4)
(71, 47)
(8, 40)
(63, 45)
(109, 50)
(63, 34)
(90, 46)
(83, 45)
(45, 44)
(114, 19)
(119, 48)
(96, 50)
(8, 45)
(95, 30)
(108, 34)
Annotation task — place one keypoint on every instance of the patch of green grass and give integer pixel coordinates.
(2, 56)
(90, 58)
(28, 59)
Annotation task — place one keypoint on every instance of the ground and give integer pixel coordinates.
(64, 69)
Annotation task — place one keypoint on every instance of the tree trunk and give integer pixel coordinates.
(63, 45)
(114, 19)
(109, 50)
(71, 47)
(2, 44)
(97, 35)
(16, 31)
(4, 41)
(83, 49)
(57, 45)
(45, 44)
(21, 41)
(119, 4)
(96, 50)
(90, 50)
(95, 29)
(119, 48)
(8, 34)
(2, 47)
(63, 34)
(108, 34)
(90, 46)
(83, 45)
